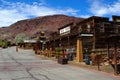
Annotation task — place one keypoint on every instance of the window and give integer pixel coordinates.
(117, 29)
(88, 28)
(102, 27)
(80, 29)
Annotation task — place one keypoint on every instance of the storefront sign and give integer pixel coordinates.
(29, 41)
(86, 34)
(65, 30)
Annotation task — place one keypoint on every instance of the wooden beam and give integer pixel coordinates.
(115, 59)
(94, 37)
(108, 49)
(79, 56)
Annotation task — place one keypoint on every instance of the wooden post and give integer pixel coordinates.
(98, 57)
(108, 50)
(94, 37)
(68, 41)
(115, 59)
(50, 52)
(54, 44)
(16, 48)
(79, 56)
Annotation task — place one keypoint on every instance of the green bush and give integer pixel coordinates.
(3, 43)
(58, 51)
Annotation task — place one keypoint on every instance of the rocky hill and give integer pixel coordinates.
(31, 27)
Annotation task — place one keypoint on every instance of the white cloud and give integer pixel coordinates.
(84, 16)
(12, 12)
(100, 8)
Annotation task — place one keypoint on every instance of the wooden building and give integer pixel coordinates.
(92, 31)
(65, 37)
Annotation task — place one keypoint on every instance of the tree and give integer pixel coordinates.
(20, 38)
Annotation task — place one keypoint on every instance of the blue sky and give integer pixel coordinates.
(15, 10)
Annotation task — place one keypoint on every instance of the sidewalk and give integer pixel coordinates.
(104, 68)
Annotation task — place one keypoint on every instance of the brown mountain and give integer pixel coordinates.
(31, 27)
